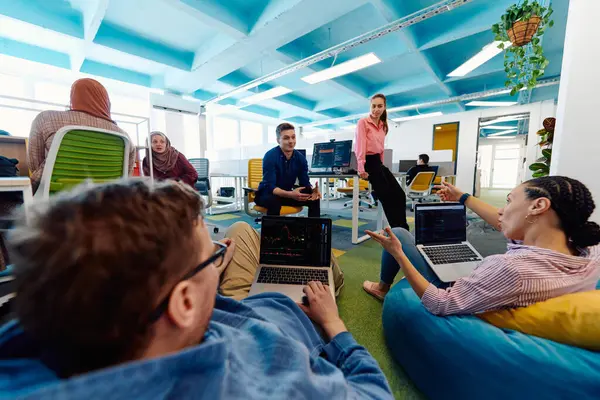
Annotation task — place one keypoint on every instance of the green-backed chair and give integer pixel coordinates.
(80, 153)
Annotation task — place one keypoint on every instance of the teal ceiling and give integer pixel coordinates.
(205, 48)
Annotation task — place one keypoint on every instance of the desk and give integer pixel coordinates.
(355, 204)
(239, 183)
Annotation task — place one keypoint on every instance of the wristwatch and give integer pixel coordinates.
(464, 198)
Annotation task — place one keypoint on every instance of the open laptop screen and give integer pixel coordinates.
(440, 224)
(295, 241)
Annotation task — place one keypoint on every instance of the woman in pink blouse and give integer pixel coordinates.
(552, 251)
(369, 142)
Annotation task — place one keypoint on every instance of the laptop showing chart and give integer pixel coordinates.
(332, 154)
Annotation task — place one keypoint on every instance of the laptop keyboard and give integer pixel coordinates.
(292, 276)
(450, 254)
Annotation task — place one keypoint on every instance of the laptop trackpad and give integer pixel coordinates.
(295, 292)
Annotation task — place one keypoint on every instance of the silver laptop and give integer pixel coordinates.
(293, 252)
(441, 237)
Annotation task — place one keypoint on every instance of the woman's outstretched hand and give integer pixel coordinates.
(448, 192)
(390, 243)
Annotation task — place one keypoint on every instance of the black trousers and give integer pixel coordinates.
(388, 191)
(273, 204)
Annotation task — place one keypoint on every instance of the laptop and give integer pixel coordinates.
(293, 252)
(441, 237)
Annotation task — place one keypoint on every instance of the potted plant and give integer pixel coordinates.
(542, 166)
(522, 25)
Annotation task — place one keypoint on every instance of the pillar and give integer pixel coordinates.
(576, 148)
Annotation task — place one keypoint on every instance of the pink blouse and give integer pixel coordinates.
(370, 139)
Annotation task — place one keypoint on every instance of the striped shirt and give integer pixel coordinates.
(522, 276)
(45, 126)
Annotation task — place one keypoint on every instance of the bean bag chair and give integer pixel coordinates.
(463, 357)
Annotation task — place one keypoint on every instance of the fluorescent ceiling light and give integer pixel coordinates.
(486, 54)
(267, 94)
(499, 127)
(157, 91)
(438, 128)
(344, 68)
(501, 137)
(491, 103)
(502, 133)
(418, 116)
(504, 119)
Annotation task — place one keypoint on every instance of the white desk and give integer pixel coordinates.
(239, 182)
(355, 204)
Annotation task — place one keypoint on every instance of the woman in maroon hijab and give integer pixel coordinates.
(167, 162)
(90, 106)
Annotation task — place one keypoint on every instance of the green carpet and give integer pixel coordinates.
(362, 314)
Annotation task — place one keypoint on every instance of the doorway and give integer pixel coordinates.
(501, 156)
(445, 137)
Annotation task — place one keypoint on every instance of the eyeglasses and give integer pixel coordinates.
(216, 259)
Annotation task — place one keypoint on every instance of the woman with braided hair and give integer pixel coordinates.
(552, 251)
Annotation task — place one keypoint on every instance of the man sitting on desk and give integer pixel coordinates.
(422, 166)
(282, 166)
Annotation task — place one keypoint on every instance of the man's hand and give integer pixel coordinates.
(230, 243)
(297, 194)
(322, 309)
(364, 175)
(316, 194)
(390, 243)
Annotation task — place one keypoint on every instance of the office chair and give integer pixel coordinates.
(420, 187)
(255, 174)
(202, 185)
(364, 193)
(80, 153)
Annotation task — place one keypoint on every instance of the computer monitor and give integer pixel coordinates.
(405, 165)
(302, 151)
(332, 154)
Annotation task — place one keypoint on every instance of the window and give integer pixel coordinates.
(272, 134)
(131, 130)
(52, 92)
(129, 105)
(17, 122)
(191, 132)
(251, 133)
(225, 133)
(12, 86)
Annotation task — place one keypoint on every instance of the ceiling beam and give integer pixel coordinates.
(282, 29)
(93, 15)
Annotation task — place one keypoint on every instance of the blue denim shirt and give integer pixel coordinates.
(263, 347)
(280, 172)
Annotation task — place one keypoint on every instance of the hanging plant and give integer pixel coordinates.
(523, 25)
(542, 166)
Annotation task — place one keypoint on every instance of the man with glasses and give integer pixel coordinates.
(117, 298)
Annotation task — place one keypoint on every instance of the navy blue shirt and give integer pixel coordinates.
(279, 172)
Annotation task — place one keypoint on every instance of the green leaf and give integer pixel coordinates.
(513, 91)
(539, 174)
(536, 166)
(547, 153)
(501, 46)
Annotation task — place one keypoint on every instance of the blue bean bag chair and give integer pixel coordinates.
(463, 357)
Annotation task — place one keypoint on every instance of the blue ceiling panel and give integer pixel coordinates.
(480, 83)
(122, 39)
(428, 93)
(159, 23)
(544, 93)
(56, 15)
(34, 53)
(299, 120)
(111, 72)
(267, 112)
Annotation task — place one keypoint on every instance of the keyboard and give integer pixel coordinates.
(457, 253)
(322, 173)
(292, 276)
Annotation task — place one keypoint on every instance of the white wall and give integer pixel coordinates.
(411, 138)
(576, 147)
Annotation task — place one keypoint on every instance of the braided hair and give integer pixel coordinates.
(572, 202)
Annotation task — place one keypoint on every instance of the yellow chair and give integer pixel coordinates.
(255, 175)
(420, 187)
(363, 193)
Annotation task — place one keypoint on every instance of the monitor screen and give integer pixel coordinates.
(440, 224)
(295, 241)
(405, 165)
(332, 154)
